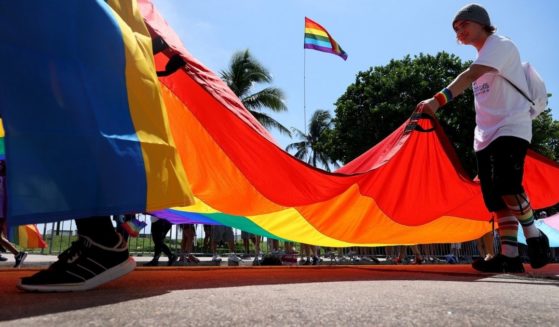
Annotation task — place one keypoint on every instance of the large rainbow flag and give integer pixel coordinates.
(318, 38)
(407, 189)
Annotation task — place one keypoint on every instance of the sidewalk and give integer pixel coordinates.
(387, 295)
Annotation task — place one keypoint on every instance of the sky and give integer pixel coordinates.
(371, 32)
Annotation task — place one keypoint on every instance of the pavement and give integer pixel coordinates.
(325, 295)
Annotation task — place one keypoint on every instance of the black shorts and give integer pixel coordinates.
(500, 170)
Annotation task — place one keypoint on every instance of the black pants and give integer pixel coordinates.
(159, 230)
(99, 228)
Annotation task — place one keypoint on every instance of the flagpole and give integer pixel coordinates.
(305, 90)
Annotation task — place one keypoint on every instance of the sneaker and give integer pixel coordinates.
(343, 259)
(451, 259)
(83, 266)
(234, 258)
(499, 264)
(192, 259)
(2, 258)
(215, 258)
(152, 263)
(538, 251)
(20, 258)
(366, 259)
(488, 256)
(331, 255)
(172, 259)
(315, 260)
(289, 259)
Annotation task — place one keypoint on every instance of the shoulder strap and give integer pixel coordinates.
(519, 90)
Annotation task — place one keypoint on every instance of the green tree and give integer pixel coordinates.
(383, 97)
(545, 139)
(243, 73)
(309, 148)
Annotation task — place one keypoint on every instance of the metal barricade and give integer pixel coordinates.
(60, 235)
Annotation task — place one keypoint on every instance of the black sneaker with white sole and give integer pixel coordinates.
(539, 252)
(83, 266)
(20, 258)
(499, 264)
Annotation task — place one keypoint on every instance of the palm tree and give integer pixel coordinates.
(308, 149)
(243, 73)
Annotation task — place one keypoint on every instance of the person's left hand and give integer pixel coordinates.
(429, 106)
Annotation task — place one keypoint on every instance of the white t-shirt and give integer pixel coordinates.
(500, 109)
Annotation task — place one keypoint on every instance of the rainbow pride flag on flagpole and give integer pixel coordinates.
(317, 38)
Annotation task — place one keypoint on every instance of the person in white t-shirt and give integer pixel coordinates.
(501, 138)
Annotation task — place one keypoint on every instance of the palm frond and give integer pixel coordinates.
(243, 73)
(307, 148)
(270, 122)
(270, 97)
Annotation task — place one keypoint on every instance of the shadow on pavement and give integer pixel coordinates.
(150, 282)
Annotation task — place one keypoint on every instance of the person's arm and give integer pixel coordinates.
(455, 88)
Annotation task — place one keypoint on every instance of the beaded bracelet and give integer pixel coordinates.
(443, 97)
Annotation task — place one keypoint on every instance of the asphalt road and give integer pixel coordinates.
(427, 295)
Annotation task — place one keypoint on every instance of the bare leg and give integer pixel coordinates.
(7, 244)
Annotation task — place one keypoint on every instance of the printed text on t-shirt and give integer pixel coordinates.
(480, 89)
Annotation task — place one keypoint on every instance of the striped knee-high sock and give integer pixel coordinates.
(508, 231)
(523, 212)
